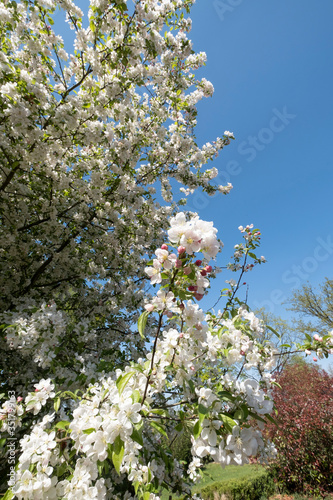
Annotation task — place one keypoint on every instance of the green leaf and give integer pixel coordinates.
(245, 411)
(142, 321)
(192, 386)
(273, 331)
(136, 396)
(89, 431)
(271, 419)
(159, 428)
(254, 415)
(137, 436)
(228, 422)
(185, 295)
(179, 427)
(8, 495)
(191, 276)
(62, 425)
(202, 413)
(56, 404)
(158, 411)
(123, 380)
(71, 394)
(62, 469)
(197, 430)
(136, 486)
(118, 453)
(226, 395)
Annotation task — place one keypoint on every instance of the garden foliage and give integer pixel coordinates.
(304, 438)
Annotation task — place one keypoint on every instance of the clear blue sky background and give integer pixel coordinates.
(265, 59)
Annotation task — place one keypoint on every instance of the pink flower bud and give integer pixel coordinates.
(208, 269)
(164, 247)
(198, 296)
(178, 263)
(242, 353)
(315, 359)
(192, 288)
(19, 399)
(181, 250)
(149, 307)
(187, 270)
(181, 335)
(198, 263)
(316, 336)
(203, 273)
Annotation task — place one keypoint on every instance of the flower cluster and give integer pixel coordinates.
(188, 237)
(125, 409)
(194, 236)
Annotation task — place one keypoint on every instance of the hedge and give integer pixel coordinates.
(258, 487)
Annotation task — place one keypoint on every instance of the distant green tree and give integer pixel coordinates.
(316, 305)
(279, 332)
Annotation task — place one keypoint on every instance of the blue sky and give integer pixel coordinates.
(271, 67)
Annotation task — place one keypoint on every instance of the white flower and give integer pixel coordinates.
(201, 449)
(167, 260)
(242, 442)
(206, 397)
(154, 272)
(209, 431)
(163, 301)
(191, 239)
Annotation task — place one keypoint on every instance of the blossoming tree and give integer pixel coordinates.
(104, 352)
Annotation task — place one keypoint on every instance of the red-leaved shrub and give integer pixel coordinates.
(304, 438)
